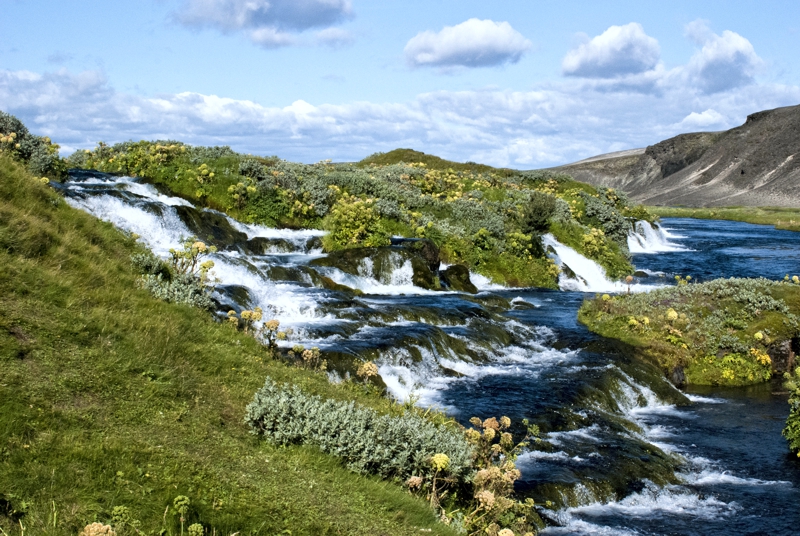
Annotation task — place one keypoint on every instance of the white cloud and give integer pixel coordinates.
(549, 125)
(269, 23)
(620, 50)
(703, 121)
(724, 62)
(473, 43)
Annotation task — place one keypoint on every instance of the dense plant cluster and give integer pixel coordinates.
(720, 331)
(184, 278)
(468, 475)
(370, 443)
(39, 153)
(489, 219)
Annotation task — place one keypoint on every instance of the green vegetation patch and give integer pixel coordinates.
(114, 405)
(792, 430)
(780, 217)
(489, 219)
(723, 332)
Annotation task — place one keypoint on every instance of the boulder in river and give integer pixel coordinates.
(456, 277)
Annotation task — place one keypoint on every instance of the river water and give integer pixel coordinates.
(622, 451)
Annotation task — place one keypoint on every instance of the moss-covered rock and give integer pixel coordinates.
(385, 264)
(456, 277)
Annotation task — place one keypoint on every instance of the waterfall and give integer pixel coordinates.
(651, 238)
(579, 273)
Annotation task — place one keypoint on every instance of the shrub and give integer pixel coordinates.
(537, 213)
(39, 153)
(354, 222)
(368, 443)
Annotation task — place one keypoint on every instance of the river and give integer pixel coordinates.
(622, 451)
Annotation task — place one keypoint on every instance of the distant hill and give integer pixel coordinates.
(756, 164)
(410, 156)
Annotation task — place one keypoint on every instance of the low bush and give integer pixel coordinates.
(367, 442)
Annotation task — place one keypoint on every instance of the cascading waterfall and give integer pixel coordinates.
(609, 451)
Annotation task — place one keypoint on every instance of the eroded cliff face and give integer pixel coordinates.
(755, 164)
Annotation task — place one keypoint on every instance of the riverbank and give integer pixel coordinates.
(781, 218)
(725, 332)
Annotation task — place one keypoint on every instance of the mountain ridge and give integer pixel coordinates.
(755, 164)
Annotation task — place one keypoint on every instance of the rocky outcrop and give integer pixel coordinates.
(756, 164)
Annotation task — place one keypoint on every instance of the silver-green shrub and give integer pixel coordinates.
(367, 442)
(181, 288)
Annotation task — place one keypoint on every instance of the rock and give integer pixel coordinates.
(423, 247)
(782, 354)
(264, 246)
(211, 227)
(330, 284)
(456, 277)
(639, 273)
(678, 377)
(385, 264)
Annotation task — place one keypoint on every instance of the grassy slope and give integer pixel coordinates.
(781, 218)
(109, 397)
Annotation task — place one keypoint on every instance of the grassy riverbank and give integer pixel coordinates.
(111, 398)
(722, 332)
(780, 217)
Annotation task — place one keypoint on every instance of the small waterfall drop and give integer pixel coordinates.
(577, 272)
(651, 238)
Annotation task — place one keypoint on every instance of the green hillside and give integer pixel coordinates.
(110, 398)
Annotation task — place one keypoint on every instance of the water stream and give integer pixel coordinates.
(623, 452)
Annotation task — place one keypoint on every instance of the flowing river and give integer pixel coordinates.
(622, 451)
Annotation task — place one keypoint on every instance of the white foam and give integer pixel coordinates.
(705, 399)
(710, 477)
(655, 502)
(589, 276)
(160, 233)
(646, 238)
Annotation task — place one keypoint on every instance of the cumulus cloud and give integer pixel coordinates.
(724, 62)
(702, 121)
(620, 50)
(545, 126)
(473, 43)
(269, 23)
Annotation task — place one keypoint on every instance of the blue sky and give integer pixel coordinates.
(521, 83)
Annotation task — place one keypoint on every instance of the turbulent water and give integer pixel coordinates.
(623, 452)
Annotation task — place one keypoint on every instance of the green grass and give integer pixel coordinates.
(780, 217)
(109, 397)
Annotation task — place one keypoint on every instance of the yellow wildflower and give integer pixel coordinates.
(440, 462)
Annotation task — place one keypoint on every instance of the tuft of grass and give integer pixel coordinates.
(779, 217)
(109, 397)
